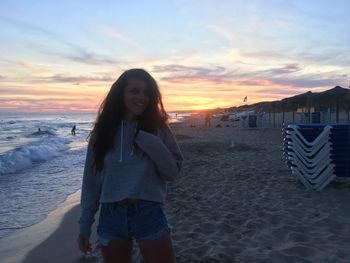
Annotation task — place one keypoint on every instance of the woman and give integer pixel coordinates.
(131, 155)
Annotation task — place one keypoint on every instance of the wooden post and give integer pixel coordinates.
(337, 111)
(348, 103)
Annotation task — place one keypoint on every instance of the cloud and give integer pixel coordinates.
(78, 53)
(289, 68)
(222, 31)
(280, 91)
(30, 28)
(10, 90)
(34, 92)
(337, 55)
(56, 78)
(86, 57)
(113, 33)
(286, 75)
(78, 79)
(27, 65)
(253, 58)
(185, 74)
(214, 75)
(307, 81)
(59, 104)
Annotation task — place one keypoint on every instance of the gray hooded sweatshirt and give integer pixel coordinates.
(140, 173)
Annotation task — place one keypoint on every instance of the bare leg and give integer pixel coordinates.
(117, 251)
(160, 250)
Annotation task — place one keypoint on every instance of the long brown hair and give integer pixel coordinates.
(112, 109)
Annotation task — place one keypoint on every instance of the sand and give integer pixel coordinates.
(234, 202)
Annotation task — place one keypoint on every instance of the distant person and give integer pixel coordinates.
(131, 135)
(207, 119)
(39, 130)
(73, 130)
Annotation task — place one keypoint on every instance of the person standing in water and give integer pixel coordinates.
(73, 130)
(132, 154)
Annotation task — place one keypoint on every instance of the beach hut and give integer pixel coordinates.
(252, 120)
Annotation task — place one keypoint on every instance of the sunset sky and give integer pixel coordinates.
(63, 56)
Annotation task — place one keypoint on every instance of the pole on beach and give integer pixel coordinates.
(309, 114)
(283, 107)
(274, 116)
(348, 117)
(337, 110)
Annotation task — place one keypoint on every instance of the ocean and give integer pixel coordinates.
(39, 169)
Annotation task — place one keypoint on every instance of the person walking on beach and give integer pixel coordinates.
(73, 130)
(132, 154)
(207, 119)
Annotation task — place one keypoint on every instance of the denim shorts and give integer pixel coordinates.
(144, 220)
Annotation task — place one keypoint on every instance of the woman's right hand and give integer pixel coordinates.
(84, 244)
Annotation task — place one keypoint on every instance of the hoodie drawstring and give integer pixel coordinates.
(133, 142)
(121, 141)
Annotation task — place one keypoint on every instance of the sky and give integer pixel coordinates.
(63, 56)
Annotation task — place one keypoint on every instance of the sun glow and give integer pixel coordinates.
(208, 59)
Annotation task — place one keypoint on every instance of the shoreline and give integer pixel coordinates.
(30, 244)
(27, 245)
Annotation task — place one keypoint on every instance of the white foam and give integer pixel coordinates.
(24, 156)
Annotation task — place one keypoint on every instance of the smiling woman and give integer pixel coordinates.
(136, 98)
(131, 156)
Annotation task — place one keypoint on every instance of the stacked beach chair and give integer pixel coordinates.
(317, 153)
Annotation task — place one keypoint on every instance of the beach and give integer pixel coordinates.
(235, 201)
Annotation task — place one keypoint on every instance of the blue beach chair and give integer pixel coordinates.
(317, 153)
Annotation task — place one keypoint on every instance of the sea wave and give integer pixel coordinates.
(39, 133)
(24, 156)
